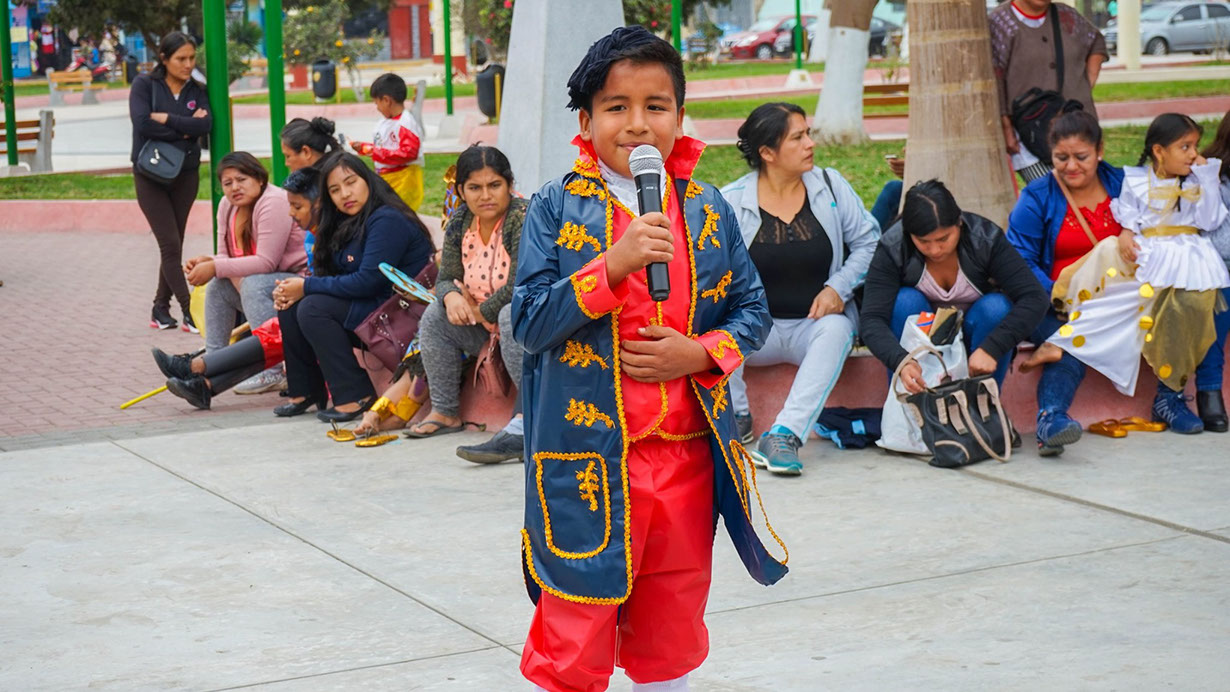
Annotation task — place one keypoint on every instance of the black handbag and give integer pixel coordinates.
(161, 161)
(1033, 111)
(962, 421)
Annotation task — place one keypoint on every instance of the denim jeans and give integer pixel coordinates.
(980, 320)
(1057, 386)
(885, 208)
(1210, 371)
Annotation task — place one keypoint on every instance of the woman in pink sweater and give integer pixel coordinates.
(260, 246)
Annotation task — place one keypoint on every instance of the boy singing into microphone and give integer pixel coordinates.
(630, 439)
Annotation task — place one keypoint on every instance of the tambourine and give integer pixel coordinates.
(405, 286)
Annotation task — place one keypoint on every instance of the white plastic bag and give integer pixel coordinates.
(898, 431)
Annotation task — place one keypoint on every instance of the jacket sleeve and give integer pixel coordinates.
(408, 144)
(492, 306)
(860, 233)
(450, 255)
(271, 228)
(388, 238)
(879, 299)
(140, 105)
(1027, 226)
(747, 322)
(194, 127)
(1029, 301)
(547, 308)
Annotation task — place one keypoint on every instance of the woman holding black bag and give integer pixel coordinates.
(170, 113)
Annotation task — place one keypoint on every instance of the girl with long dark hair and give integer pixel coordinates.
(362, 224)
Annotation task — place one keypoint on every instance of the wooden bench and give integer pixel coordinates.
(886, 95)
(61, 82)
(33, 141)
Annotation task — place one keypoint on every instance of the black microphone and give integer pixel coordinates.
(645, 163)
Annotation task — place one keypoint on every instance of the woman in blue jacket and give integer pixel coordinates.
(363, 223)
(1044, 228)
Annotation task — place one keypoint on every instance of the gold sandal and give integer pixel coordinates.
(1109, 428)
(1138, 424)
(375, 440)
(340, 434)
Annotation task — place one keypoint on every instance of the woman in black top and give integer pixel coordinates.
(811, 240)
(169, 106)
(939, 256)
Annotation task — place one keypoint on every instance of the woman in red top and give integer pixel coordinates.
(1044, 229)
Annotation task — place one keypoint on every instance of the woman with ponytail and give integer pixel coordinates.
(304, 142)
(168, 105)
(812, 240)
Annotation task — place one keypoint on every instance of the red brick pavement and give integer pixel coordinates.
(75, 340)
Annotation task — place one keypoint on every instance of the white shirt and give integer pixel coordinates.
(624, 188)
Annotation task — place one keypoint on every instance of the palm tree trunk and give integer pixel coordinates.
(955, 132)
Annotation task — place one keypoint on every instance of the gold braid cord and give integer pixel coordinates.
(709, 230)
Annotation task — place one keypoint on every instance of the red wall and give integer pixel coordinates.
(402, 29)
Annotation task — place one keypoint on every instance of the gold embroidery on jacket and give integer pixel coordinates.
(719, 291)
(588, 485)
(582, 413)
(577, 354)
(575, 237)
(709, 230)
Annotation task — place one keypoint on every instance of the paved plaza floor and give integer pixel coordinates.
(268, 557)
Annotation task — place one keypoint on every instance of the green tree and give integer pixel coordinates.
(151, 18)
(314, 32)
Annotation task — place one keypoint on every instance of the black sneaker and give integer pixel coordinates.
(194, 390)
(160, 318)
(188, 325)
(743, 425)
(179, 366)
(501, 447)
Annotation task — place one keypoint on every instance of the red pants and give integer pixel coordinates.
(659, 632)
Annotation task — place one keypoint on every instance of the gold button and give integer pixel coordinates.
(1079, 341)
(1164, 371)
(1075, 316)
(1112, 272)
(1146, 322)
(1084, 294)
(1146, 291)
(1065, 331)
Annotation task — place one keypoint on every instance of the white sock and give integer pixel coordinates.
(516, 426)
(679, 684)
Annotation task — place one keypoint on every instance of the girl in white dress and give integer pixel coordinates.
(1154, 290)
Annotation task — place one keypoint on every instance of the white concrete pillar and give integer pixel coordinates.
(1128, 23)
(549, 38)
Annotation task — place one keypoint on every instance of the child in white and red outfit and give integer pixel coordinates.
(629, 437)
(397, 147)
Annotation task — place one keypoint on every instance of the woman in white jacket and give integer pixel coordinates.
(812, 240)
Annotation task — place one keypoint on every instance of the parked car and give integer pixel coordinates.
(1167, 27)
(784, 44)
(760, 40)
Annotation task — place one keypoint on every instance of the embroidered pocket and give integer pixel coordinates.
(575, 493)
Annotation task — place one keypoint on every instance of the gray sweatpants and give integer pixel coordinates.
(444, 345)
(223, 303)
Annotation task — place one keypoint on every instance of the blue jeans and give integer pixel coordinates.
(1209, 372)
(885, 208)
(1057, 386)
(980, 320)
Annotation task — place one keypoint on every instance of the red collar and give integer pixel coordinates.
(1026, 14)
(679, 165)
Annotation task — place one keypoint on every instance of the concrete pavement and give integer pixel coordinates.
(268, 557)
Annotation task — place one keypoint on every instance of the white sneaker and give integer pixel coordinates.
(270, 380)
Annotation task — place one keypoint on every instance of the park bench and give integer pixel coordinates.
(886, 95)
(60, 83)
(33, 141)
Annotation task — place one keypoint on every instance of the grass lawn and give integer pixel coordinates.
(39, 88)
(306, 98)
(1103, 93)
(732, 70)
(863, 165)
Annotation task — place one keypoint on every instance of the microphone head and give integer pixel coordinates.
(645, 159)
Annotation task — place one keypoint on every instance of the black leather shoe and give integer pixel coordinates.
(195, 390)
(301, 407)
(1212, 411)
(179, 366)
(333, 415)
(501, 447)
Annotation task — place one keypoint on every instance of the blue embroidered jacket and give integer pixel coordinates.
(575, 548)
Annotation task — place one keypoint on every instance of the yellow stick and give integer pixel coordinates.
(143, 397)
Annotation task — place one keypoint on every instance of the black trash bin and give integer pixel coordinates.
(485, 84)
(131, 67)
(324, 79)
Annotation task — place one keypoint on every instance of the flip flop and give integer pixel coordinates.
(442, 429)
(340, 434)
(375, 440)
(1138, 424)
(1108, 428)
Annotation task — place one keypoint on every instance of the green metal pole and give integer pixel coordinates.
(448, 58)
(277, 84)
(220, 143)
(677, 24)
(798, 35)
(10, 109)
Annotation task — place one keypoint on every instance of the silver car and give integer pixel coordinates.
(1179, 26)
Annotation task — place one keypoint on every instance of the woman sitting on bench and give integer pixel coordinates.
(799, 222)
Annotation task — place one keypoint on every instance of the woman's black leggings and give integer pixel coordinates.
(166, 208)
(228, 366)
